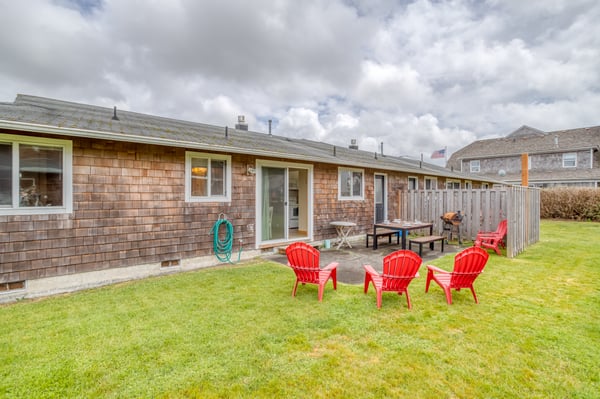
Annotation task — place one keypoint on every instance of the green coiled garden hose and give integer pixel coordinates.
(224, 247)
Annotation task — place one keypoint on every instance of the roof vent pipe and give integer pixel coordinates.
(115, 117)
(334, 151)
(382, 148)
(226, 131)
(269, 127)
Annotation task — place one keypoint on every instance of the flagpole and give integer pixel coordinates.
(445, 155)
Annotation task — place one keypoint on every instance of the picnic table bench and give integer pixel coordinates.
(425, 240)
(385, 233)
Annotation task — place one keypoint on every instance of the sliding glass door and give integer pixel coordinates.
(274, 201)
(283, 201)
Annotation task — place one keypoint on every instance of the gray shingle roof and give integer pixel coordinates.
(557, 175)
(38, 114)
(531, 141)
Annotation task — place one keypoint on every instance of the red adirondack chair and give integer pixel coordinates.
(493, 239)
(399, 268)
(468, 264)
(304, 260)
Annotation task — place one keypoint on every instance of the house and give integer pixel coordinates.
(92, 195)
(559, 158)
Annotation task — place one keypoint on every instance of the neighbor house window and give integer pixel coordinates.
(35, 175)
(475, 166)
(350, 183)
(430, 183)
(569, 160)
(207, 177)
(413, 183)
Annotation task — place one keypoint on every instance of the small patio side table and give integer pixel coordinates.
(343, 229)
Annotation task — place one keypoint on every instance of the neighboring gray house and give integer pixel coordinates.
(560, 158)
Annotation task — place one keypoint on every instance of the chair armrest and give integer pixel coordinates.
(436, 269)
(487, 234)
(369, 269)
(331, 266)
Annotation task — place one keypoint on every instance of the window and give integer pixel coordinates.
(485, 186)
(207, 177)
(413, 183)
(468, 184)
(350, 183)
(475, 166)
(453, 184)
(570, 160)
(35, 175)
(430, 183)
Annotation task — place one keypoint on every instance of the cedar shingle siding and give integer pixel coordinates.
(129, 208)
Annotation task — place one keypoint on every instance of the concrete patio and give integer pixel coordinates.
(351, 260)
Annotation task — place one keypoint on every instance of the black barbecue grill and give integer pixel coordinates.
(452, 222)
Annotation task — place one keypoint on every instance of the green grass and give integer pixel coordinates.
(236, 331)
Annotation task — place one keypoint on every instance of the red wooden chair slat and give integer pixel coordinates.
(304, 260)
(493, 239)
(468, 264)
(399, 269)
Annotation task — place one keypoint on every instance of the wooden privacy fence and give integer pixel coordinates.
(481, 210)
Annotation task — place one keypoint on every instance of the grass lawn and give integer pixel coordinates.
(235, 331)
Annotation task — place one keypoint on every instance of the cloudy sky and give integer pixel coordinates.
(416, 76)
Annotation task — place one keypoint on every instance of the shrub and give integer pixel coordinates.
(570, 203)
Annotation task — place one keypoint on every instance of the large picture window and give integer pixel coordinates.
(350, 183)
(208, 177)
(35, 175)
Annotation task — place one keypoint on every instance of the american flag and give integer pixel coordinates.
(439, 154)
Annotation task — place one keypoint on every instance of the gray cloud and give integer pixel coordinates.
(415, 75)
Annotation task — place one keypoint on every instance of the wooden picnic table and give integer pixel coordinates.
(403, 227)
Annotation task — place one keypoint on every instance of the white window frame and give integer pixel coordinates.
(362, 184)
(569, 157)
(189, 155)
(451, 183)
(67, 175)
(416, 180)
(468, 184)
(475, 165)
(485, 186)
(433, 183)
